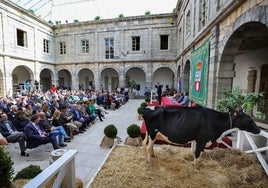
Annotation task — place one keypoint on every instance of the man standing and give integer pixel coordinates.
(36, 136)
(8, 130)
(159, 92)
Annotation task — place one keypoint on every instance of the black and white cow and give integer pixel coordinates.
(202, 125)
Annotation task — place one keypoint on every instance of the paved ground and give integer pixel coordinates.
(90, 155)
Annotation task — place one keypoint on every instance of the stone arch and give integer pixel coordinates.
(20, 75)
(244, 47)
(109, 78)
(86, 79)
(137, 73)
(65, 78)
(135, 66)
(46, 77)
(165, 76)
(244, 27)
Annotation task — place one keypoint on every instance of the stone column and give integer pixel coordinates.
(122, 78)
(213, 62)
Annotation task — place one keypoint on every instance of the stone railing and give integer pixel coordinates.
(63, 169)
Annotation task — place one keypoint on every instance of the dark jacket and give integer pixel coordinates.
(4, 130)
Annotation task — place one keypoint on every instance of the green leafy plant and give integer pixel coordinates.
(132, 85)
(140, 110)
(236, 100)
(144, 104)
(6, 168)
(133, 131)
(76, 21)
(97, 18)
(121, 16)
(147, 13)
(110, 131)
(147, 99)
(28, 172)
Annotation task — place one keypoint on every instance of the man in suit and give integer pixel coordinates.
(36, 136)
(8, 130)
(159, 92)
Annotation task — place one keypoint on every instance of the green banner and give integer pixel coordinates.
(199, 74)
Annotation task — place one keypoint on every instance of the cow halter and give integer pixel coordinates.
(231, 122)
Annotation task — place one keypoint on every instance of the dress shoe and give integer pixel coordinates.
(24, 154)
(68, 139)
(62, 145)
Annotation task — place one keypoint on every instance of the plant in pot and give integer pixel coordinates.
(132, 85)
(6, 169)
(236, 100)
(140, 110)
(134, 135)
(110, 134)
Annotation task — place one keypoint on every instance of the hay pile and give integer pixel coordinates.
(173, 167)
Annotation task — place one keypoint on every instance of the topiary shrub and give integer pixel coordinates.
(28, 172)
(133, 131)
(144, 104)
(6, 168)
(140, 110)
(110, 131)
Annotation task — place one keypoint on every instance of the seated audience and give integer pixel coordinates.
(37, 136)
(92, 111)
(8, 130)
(78, 118)
(20, 121)
(66, 117)
(185, 100)
(59, 131)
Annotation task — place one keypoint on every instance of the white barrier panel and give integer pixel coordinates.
(64, 168)
(241, 137)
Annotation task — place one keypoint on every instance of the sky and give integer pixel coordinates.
(85, 10)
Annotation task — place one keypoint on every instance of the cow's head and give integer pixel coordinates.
(244, 122)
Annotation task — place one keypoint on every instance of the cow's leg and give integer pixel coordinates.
(150, 150)
(200, 145)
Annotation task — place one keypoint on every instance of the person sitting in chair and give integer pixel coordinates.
(8, 130)
(36, 136)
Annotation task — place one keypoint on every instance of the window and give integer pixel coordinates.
(21, 38)
(202, 13)
(163, 42)
(62, 48)
(45, 45)
(135, 43)
(85, 46)
(188, 23)
(109, 48)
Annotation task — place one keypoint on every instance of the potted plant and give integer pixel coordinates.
(134, 135)
(6, 169)
(132, 85)
(140, 110)
(110, 134)
(236, 100)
